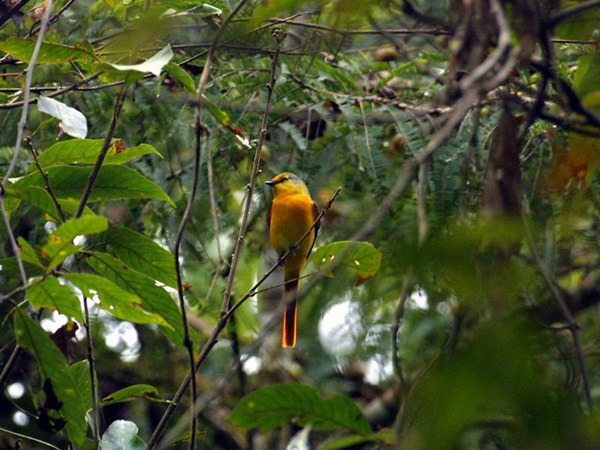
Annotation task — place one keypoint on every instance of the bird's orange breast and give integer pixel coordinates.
(291, 217)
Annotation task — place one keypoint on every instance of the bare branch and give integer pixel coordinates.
(44, 175)
(103, 151)
(29, 438)
(8, 13)
(572, 324)
(566, 13)
(222, 322)
(20, 130)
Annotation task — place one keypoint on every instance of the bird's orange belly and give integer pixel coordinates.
(291, 217)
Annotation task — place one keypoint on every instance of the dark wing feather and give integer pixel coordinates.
(315, 210)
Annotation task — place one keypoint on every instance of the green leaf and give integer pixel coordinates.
(53, 295)
(142, 253)
(85, 151)
(130, 393)
(60, 243)
(28, 253)
(154, 298)
(122, 435)
(38, 197)
(219, 115)
(181, 76)
(53, 367)
(10, 269)
(120, 303)
(113, 183)
(384, 436)
(587, 76)
(186, 436)
(579, 26)
(22, 50)
(275, 406)
(80, 373)
(152, 65)
(361, 257)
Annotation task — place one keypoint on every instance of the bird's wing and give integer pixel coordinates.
(315, 211)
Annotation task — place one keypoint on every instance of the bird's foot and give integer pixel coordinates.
(280, 261)
(293, 249)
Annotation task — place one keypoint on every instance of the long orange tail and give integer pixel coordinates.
(288, 335)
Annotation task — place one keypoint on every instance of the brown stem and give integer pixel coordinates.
(103, 151)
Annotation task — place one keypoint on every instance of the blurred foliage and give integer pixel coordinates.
(485, 359)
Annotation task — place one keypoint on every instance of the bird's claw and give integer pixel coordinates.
(293, 250)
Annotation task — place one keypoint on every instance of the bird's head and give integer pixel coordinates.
(287, 183)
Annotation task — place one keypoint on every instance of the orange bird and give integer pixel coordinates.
(290, 216)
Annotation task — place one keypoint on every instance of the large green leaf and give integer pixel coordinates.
(352, 440)
(120, 303)
(122, 435)
(60, 244)
(154, 298)
(10, 269)
(28, 253)
(53, 367)
(181, 76)
(275, 406)
(587, 76)
(142, 253)
(22, 50)
(361, 257)
(130, 393)
(579, 26)
(113, 183)
(53, 295)
(85, 151)
(80, 373)
(39, 197)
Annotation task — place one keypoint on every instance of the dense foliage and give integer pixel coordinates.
(451, 299)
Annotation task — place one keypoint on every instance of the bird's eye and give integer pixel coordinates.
(286, 179)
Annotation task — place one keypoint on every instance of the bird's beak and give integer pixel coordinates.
(270, 183)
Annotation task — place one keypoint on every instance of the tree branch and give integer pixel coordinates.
(221, 323)
(103, 150)
(566, 13)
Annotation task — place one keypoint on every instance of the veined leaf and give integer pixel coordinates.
(275, 406)
(383, 436)
(219, 115)
(130, 393)
(10, 269)
(80, 373)
(85, 151)
(154, 298)
(113, 183)
(120, 303)
(60, 244)
(181, 76)
(28, 253)
(53, 295)
(587, 75)
(53, 367)
(361, 257)
(40, 198)
(120, 435)
(22, 49)
(141, 252)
